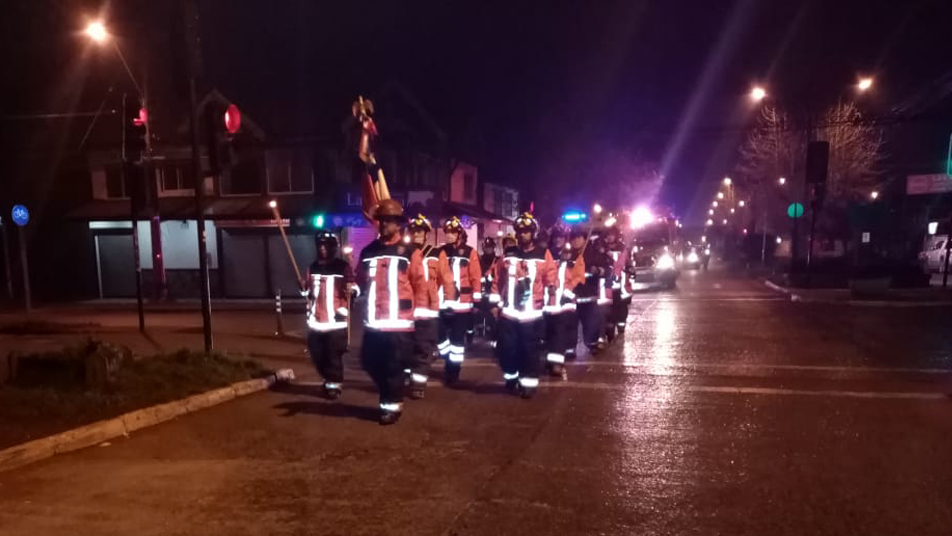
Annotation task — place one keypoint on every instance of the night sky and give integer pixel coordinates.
(554, 94)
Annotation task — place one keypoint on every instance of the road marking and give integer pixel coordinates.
(487, 363)
(767, 391)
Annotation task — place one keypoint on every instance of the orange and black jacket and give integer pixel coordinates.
(522, 278)
(597, 274)
(621, 263)
(467, 276)
(439, 282)
(570, 274)
(391, 274)
(328, 296)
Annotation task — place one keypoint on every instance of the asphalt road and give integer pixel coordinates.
(727, 410)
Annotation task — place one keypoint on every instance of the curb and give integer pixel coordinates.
(855, 303)
(98, 432)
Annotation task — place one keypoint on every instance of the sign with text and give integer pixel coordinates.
(936, 183)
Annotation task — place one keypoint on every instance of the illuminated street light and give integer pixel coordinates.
(779, 240)
(640, 217)
(725, 221)
(758, 94)
(709, 222)
(874, 195)
(273, 204)
(710, 212)
(745, 231)
(732, 211)
(720, 195)
(96, 31)
(714, 204)
(704, 239)
(597, 208)
(741, 203)
(727, 181)
(864, 83)
(782, 181)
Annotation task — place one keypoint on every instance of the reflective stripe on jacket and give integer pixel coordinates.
(522, 278)
(391, 274)
(439, 282)
(467, 276)
(328, 296)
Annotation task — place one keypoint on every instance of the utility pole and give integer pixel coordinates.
(190, 12)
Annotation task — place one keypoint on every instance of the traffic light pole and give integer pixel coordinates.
(135, 223)
(191, 43)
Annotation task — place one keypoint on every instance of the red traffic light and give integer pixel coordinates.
(142, 119)
(232, 119)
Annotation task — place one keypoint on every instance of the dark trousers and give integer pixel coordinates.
(618, 317)
(520, 345)
(560, 328)
(327, 349)
(592, 317)
(424, 346)
(570, 336)
(384, 355)
(452, 336)
(484, 317)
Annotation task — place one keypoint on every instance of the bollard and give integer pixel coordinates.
(277, 314)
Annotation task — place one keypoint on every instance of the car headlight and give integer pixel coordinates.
(692, 257)
(665, 262)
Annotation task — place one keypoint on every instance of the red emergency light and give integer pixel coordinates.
(232, 119)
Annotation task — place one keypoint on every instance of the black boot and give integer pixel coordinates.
(389, 417)
(332, 392)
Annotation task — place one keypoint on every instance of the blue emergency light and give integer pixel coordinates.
(575, 216)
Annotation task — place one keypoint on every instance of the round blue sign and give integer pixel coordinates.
(21, 216)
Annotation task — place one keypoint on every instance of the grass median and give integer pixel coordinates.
(56, 391)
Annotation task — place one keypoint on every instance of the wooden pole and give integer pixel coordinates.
(287, 244)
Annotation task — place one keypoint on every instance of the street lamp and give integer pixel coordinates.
(96, 31)
(732, 211)
(741, 203)
(782, 181)
(710, 212)
(709, 222)
(720, 195)
(714, 204)
(864, 84)
(597, 208)
(725, 221)
(727, 181)
(758, 94)
(874, 195)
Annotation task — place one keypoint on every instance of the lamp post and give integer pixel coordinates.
(97, 32)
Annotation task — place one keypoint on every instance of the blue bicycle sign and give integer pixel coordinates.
(20, 214)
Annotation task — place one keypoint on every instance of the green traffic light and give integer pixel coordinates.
(318, 221)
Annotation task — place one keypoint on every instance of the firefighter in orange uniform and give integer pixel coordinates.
(436, 273)
(522, 277)
(391, 274)
(330, 280)
(561, 326)
(455, 316)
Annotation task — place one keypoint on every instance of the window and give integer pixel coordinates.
(116, 188)
(469, 186)
(174, 176)
(289, 171)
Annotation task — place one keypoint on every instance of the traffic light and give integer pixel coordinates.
(317, 221)
(221, 124)
(134, 134)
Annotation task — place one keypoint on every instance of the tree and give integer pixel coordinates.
(776, 148)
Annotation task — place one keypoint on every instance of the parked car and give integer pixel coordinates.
(932, 256)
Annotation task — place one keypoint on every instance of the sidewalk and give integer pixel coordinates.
(918, 297)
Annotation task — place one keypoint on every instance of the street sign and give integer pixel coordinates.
(795, 210)
(20, 214)
(866, 237)
(935, 183)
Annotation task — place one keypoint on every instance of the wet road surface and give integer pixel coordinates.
(728, 410)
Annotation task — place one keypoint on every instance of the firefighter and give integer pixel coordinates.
(487, 265)
(508, 242)
(391, 275)
(456, 314)
(592, 297)
(576, 253)
(330, 280)
(519, 287)
(620, 284)
(477, 294)
(426, 314)
(561, 327)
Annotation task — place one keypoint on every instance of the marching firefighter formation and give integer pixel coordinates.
(420, 301)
